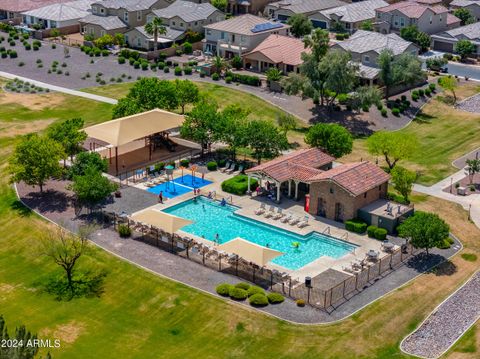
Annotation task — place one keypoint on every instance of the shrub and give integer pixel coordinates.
(242, 285)
(67, 73)
(365, 108)
(144, 66)
(35, 48)
(300, 302)
(187, 70)
(13, 54)
(396, 111)
(223, 289)
(179, 52)
(421, 92)
(12, 43)
(215, 77)
(237, 293)
(255, 290)
(428, 92)
(379, 107)
(54, 46)
(244, 79)
(356, 225)
(28, 47)
(380, 234)
(371, 231)
(403, 97)
(383, 111)
(37, 43)
(105, 53)
(258, 300)
(342, 98)
(124, 231)
(228, 79)
(415, 98)
(202, 74)
(153, 67)
(212, 166)
(3, 54)
(406, 103)
(432, 87)
(184, 163)
(136, 65)
(275, 298)
(21, 63)
(187, 47)
(239, 185)
(470, 257)
(159, 166)
(166, 69)
(448, 56)
(161, 65)
(339, 37)
(121, 60)
(221, 163)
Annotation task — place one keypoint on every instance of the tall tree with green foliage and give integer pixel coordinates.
(403, 180)
(231, 127)
(412, 34)
(85, 160)
(393, 146)
(24, 351)
(465, 16)
(286, 122)
(300, 25)
(330, 137)
(449, 83)
(69, 134)
(92, 187)
(424, 230)
(187, 93)
(35, 160)
(265, 139)
(200, 123)
(155, 28)
(465, 48)
(220, 4)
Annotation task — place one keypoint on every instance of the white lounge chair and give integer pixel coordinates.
(231, 170)
(303, 222)
(270, 212)
(239, 170)
(279, 214)
(294, 221)
(286, 218)
(227, 167)
(260, 210)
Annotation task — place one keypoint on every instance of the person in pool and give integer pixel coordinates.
(224, 202)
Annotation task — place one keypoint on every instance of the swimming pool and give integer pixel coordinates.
(210, 218)
(179, 186)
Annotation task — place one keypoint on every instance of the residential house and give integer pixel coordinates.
(117, 16)
(59, 15)
(179, 17)
(347, 17)
(471, 5)
(239, 7)
(284, 9)
(426, 18)
(366, 46)
(13, 9)
(239, 35)
(282, 52)
(445, 41)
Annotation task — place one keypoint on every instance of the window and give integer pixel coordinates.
(196, 23)
(440, 18)
(431, 19)
(139, 15)
(365, 195)
(209, 32)
(222, 35)
(331, 190)
(53, 24)
(402, 21)
(139, 42)
(366, 59)
(94, 10)
(125, 16)
(173, 23)
(102, 10)
(181, 24)
(102, 32)
(92, 31)
(243, 38)
(347, 25)
(380, 187)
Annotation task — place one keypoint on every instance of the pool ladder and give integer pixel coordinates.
(230, 199)
(326, 230)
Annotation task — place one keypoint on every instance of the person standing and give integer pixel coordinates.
(160, 197)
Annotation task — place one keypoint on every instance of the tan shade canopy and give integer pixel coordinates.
(127, 129)
(250, 251)
(161, 220)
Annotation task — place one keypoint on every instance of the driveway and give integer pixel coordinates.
(455, 68)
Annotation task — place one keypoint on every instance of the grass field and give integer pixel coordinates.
(141, 315)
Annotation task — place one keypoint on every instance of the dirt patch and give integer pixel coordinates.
(66, 333)
(8, 129)
(32, 101)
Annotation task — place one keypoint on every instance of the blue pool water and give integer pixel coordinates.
(181, 186)
(210, 218)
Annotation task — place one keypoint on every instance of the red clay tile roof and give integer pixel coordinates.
(356, 178)
(452, 19)
(26, 5)
(299, 165)
(281, 49)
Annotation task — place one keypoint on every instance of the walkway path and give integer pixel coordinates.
(60, 89)
(447, 323)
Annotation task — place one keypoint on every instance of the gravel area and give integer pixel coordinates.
(471, 104)
(447, 323)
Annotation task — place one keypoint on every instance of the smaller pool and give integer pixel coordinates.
(179, 186)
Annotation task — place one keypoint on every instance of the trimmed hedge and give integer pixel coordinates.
(275, 298)
(300, 302)
(223, 289)
(371, 231)
(212, 166)
(184, 163)
(244, 79)
(356, 225)
(237, 293)
(242, 285)
(258, 300)
(121, 60)
(377, 233)
(215, 77)
(239, 184)
(255, 290)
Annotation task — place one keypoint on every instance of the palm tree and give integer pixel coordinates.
(473, 166)
(219, 63)
(155, 28)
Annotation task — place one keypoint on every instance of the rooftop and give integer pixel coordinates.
(470, 32)
(306, 6)
(281, 49)
(246, 25)
(356, 12)
(106, 22)
(364, 41)
(26, 5)
(171, 34)
(386, 209)
(186, 10)
(463, 3)
(62, 11)
(130, 5)
(412, 9)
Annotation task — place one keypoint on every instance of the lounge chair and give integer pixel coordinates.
(294, 221)
(286, 218)
(231, 170)
(303, 222)
(260, 210)
(279, 214)
(240, 170)
(228, 165)
(270, 212)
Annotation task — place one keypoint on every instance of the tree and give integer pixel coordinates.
(449, 83)
(332, 138)
(265, 140)
(219, 64)
(425, 230)
(411, 33)
(155, 28)
(237, 62)
(65, 249)
(367, 25)
(92, 187)
(220, 4)
(423, 40)
(147, 94)
(199, 124)
(104, 41)
(385, 63)
(273, 74)
(465, 16)
(403, 180)
(119, 39)
(187, 93)
(394, 146)
(85, 160)
(22, 335)
(69, 134)
(231, 127)
(300, 25)
(55, 33)
(286, 122)
(35, 160)
(464, 48)
(473, 167)
(365, 96)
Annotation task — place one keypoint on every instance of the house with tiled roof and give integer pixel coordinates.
(282, 52)
(13, 9)
(241, 7)
(426, 18)
(445, 41)
(471, 5)
(284, 9)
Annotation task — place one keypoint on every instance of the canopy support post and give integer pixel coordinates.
(116, 160)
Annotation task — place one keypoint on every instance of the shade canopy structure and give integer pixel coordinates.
(127, 129)
(161, 220)
(250, 251)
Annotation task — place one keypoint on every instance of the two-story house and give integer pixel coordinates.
(471, 5)
(178, 18)
(366, 46)
(238, 7)
(428, 19)
(117, 16)
(446, 41)
(348, 17)
(284, 9)
(239, 35)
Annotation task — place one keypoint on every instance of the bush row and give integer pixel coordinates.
(356, 225)
(243, 79)
(377, 233)
(256, 295)
(239, 185)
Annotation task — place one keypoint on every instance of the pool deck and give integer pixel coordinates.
(248, 205)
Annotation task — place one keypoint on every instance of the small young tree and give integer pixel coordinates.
(219, 64)
(394, 146)
(55, 33)
(119, 39)
(332, 138)
(473, 167)
(449, 83)
(425, 230)
(85, 160)
(365, 96)
(155, 28)
(403, 180)
(237, 62)
(104, 41)
(187, 48)
(69, 134)
(187, 93)
(423, 40)
(367, 25)
(35, 160)
(385, 63)
(286, 122)
(464, 48)
(265, 139)
(92, 187)
(465, 16)
(300, 25)
(220, 4)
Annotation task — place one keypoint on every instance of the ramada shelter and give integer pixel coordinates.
(340, 192)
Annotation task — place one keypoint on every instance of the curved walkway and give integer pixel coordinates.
(447, 323)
